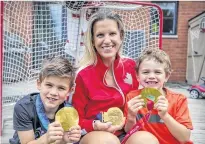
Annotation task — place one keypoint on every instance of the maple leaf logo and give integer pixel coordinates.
(128, 79)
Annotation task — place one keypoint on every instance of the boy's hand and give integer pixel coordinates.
(73, 135)
(134, 105)
(54, 132)
(162, 106)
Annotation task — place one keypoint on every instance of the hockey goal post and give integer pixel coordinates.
(34, 30)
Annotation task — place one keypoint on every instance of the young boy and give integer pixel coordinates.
(34, 115)
(170, 120)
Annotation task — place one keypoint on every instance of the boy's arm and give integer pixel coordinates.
(179, 131)
(130, 122)
(130, 119)
(53, 135)
(71, 136)
(22, 120)
(180, 124)
(27, 137)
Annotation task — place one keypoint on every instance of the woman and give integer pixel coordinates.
(103, 80)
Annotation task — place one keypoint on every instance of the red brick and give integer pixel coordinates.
(177, 48)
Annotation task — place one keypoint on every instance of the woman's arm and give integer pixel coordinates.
(80, 101)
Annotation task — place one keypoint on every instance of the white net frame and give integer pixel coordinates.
(35, 30)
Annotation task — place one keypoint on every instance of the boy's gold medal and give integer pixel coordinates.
(150, 94)
(113, 115)
(68, 117)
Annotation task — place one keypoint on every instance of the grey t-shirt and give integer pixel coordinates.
(24, 113)
(25, 117)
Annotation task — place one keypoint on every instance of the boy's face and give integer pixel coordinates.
(53, 91)
(152, 74)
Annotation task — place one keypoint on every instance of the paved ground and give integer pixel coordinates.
(196, 107)
(197, 111)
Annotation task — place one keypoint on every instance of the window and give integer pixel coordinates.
(170, 11)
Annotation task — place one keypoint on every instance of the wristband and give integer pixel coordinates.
(94, 124)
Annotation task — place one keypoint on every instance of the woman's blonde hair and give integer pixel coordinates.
(155, 54)
(90, 56)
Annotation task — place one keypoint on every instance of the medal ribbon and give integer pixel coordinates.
(44, 121)
(40, 110)
(139, 124)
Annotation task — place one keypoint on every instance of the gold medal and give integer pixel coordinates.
(68, 117)
(113, 115)
(150, 94)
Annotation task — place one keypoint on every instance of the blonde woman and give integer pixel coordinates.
(104, 79)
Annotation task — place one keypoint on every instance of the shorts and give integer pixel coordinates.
(120, 137)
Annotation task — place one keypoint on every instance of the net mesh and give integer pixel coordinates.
(35, 30)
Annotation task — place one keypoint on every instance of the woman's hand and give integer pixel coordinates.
(134, 105)
(114, 128)
(73, 135)
(54, 132)
(162, 106)
(100, 126)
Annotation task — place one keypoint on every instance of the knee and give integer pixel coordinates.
(99, 137)
(142, 137)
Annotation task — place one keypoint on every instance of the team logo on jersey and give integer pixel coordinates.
(128, 79)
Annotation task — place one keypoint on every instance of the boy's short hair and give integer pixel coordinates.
(57, 66)
(156, 54)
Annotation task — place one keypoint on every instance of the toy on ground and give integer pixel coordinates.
(197, 90)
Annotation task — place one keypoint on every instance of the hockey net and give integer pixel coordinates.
(35, 30)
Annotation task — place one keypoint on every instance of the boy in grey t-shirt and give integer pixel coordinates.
(34, 115)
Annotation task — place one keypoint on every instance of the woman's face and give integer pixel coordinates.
(107, 38)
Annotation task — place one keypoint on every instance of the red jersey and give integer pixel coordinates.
(178, 109)
(92, 94)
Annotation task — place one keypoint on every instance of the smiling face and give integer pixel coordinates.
(107, 38)
(53, 91)
(152, 74)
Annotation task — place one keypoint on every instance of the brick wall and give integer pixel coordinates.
(177, 47)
